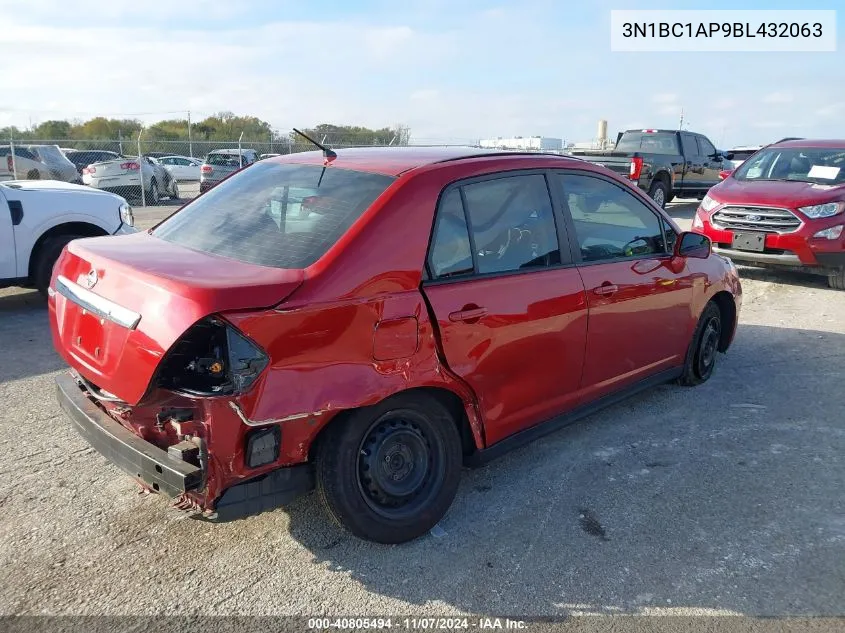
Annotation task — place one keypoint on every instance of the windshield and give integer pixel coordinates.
(276, 215)
(650, 142)
(822, 165)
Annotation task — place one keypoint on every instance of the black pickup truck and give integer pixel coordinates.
(665, 163)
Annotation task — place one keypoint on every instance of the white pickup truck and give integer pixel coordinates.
(39, 217)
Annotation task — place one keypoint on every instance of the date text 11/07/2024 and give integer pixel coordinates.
(721, 29)
(417, 624)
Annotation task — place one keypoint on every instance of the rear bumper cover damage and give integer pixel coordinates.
(165, 473)
(127, 451)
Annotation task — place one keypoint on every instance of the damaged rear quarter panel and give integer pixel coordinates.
(324, 363)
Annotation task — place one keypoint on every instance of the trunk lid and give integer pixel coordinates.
(121, 302)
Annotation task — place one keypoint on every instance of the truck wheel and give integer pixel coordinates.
(659, 193)
(837, 280)
(34, 175)
(670, 197)
(46, 259)
(389, 473)
(701, 355)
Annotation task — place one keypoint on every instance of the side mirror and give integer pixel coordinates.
(725, 173)
(690, 244)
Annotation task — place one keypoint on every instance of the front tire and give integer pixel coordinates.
(49, 253)
(704, 348)
(659, 192)
(34, 175)
(837, 280)
(389, 473)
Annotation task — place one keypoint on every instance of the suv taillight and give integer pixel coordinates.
(10, 164)
(131, 166)
(636, 168)
(206, 169)
(89, 170)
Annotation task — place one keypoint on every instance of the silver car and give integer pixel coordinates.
(222, 163)
(37, 162)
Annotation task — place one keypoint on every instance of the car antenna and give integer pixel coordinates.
(328, 153)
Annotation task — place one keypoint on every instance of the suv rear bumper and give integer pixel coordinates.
(132, 454)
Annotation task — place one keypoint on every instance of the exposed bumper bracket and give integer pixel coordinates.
(127, 451)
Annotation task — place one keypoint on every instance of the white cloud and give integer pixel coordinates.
(779, 97)
(831, 110)
(665, 97)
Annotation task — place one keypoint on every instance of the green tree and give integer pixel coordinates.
(53, 130)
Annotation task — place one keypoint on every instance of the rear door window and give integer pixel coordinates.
(276, 215)
(496, 225)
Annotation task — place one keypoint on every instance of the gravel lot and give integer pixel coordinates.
(726, 498)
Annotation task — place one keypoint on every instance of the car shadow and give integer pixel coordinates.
(790, 278)
(724, 498)
(27, 349)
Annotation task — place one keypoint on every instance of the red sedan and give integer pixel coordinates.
(784, 207)
(368, 322)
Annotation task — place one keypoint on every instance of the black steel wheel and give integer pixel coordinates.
(704, 349)
(389, 473)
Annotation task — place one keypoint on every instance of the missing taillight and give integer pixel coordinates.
(212, 358)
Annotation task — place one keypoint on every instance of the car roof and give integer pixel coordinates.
(394, 161)
(812, 143)
(230, 151)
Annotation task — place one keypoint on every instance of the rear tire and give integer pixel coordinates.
(837, 280)
(47, 256)
(34, 174)
(704, 348)
(153, 196)
(659, 193)
(388, 473)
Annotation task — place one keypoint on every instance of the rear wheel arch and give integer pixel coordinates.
(448, 398)
(77, 229)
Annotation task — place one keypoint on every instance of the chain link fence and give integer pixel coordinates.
(166, 170)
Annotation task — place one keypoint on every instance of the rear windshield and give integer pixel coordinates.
(816, 165)
(742, 154)
(648, 142)
(276, 215)
(225, 160)
(50, 154)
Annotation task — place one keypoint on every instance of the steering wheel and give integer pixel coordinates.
(504, 242)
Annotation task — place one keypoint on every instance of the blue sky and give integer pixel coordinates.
(452, 71)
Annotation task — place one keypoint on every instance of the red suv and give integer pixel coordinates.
(783, 207)
(367, 323)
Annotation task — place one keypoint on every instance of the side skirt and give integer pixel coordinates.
(517, 440)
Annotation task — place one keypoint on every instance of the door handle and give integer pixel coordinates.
(468, 314)
(606, 289)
